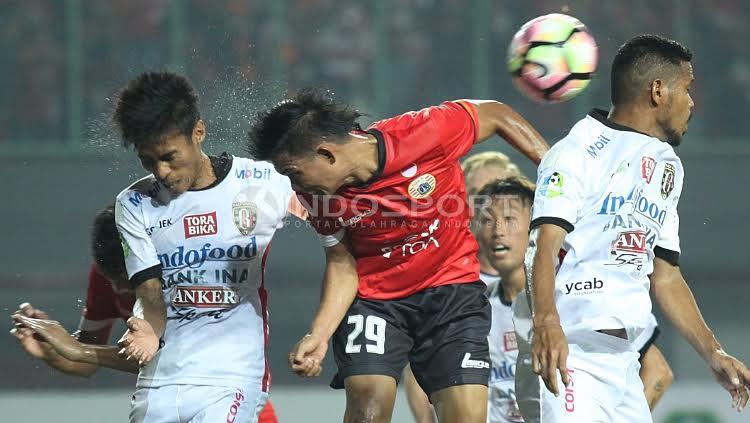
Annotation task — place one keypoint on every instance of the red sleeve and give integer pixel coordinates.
(100, 299)
(320, 213)
(447, 132)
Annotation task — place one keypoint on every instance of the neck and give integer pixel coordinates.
(513, 282)
(364, 157)
(637, 117)
(485, 266)
(206, 174)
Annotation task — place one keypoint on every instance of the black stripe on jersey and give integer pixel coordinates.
(557, 221)
(671, 257)
(601, 116)
(153, 272)
(649, 343)
(221, 164)
(381, 157)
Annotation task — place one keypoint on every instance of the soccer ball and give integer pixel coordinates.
(552, 58)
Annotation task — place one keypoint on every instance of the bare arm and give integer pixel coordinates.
(656, 375)
(141, 341)
(678, 304)
(419, 403)
(71, 356)
(549, 351)
(339, 289)
(497, 118)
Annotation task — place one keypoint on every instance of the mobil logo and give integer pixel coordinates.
(641, 205)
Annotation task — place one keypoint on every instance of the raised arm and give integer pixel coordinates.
(497, 118)
(339, 289)
(676, 301)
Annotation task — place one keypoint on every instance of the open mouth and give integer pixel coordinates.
(500, 249)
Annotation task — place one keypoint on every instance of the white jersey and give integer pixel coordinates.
(490, 281)
(615, 191)
(208, 247)
(501, 405)
(648, 335)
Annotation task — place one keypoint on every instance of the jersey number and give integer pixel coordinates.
(374, 331)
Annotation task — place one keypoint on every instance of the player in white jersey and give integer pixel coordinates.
(200, 227)
(479, 169)
(604, 232)
(502, 218)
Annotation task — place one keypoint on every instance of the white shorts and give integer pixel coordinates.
(197, 404)
(605, 385)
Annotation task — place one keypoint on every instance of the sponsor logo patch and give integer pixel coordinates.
(200, 224)
(509, 341)
(648, 165)
(204, 297)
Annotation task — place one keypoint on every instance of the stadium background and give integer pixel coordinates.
(61, 61)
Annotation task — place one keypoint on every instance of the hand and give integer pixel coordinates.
(32, 344)
(732, 375)
(307, 355)
(139, 341)
(54, 334)
(549, 353)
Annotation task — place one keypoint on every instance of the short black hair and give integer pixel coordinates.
(641, 60)
(155, 105)
(514, 185)
(106, 248)
(291, 126)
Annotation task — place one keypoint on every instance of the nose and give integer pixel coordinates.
(161, 170)
(499, 228)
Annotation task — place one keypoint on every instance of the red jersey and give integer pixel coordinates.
(409, 228)
(103, 306)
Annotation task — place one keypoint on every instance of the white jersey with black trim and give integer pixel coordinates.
(501, 404)
(489, 280)
(209, 249)
(615, 191)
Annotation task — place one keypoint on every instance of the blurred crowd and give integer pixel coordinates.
(383, 57)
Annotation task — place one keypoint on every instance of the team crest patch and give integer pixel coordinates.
(245, 216)
(422, 186)
(552, 186)
(667, 181)
(648, 165)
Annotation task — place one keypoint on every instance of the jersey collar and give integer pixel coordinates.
(601, 116)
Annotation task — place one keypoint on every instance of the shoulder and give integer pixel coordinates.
(133, 195)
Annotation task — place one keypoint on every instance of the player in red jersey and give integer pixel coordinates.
(402, 277)
(109, 297)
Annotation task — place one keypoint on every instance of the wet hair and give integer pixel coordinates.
(155, 105)
(106, 248)
(294, 126)
(640, 61)
(518, 186)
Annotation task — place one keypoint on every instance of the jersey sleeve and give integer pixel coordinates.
(100, 310)
(560, 190)
(448, 130)
(141, 259)
(668, 246)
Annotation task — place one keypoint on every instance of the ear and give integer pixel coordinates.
(327, 153)
(199, 131)
(659, 92)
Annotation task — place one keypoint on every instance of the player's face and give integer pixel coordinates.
(484, 175)
(679, 108)
(502, 232)
(176, 160)
(313, 174)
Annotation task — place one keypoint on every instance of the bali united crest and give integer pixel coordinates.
(667, 181)
(245, 216)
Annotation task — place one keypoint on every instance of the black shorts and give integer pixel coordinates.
(441, 331)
